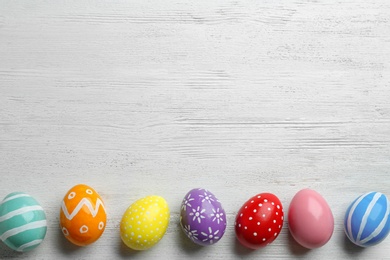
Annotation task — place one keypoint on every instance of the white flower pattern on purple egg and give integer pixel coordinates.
(186, 202)
(210, 236)
(207, 196)
(202, 217)
(217, 215)
(191, 233)
(197, 214)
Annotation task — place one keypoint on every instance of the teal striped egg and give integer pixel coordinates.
(22, 222)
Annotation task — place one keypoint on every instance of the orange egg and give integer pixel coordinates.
(82, 215)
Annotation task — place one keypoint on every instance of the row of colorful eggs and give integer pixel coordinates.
(258, 222)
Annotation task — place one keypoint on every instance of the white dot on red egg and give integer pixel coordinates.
(250, 218)
(269, 209)
(265, 200)
(263, 215)
(252, 201)
(255, 234)
(278, 206)
(269, 229)
(245, 227)
(254, 210)
(272, 203)
(258, 223)
(258, 197)
(241, 214)
(274, 220)
(277, 213)
(264, 239)
(275, 234)
(260, 205)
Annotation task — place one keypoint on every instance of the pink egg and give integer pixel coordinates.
(310, 219)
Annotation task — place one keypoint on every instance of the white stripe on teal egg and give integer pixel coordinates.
(352, 210)
(20, 212)
(20, 195)
(26, 227)
(366, 214)
(29, 244)
(380, 227)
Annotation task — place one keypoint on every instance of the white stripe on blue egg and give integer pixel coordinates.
(23, 223)
(367, 220)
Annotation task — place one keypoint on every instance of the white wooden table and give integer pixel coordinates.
(158, 97)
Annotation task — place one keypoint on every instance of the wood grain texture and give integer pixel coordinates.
(159, 97)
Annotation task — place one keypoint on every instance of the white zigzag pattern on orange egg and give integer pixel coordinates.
(86, 202)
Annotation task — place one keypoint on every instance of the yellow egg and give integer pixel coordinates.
(145, 222)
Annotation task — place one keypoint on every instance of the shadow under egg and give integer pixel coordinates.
(186, 244)
(66, 247)
(239, 249)
(350, 248)
(125, 251)
(295, 248)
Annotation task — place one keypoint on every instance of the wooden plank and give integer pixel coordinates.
(159, 97)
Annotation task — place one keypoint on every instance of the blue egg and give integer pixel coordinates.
(367, 220)
(22, 222)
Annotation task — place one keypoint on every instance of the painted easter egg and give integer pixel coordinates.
(310, 219)
(259, 221)
(82, 215)
(22, 222)
(367, 220)
(145, 222)
(202, 217)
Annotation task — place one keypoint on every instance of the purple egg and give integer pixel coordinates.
(202, 217)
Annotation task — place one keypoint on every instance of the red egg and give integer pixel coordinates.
(259, 221)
